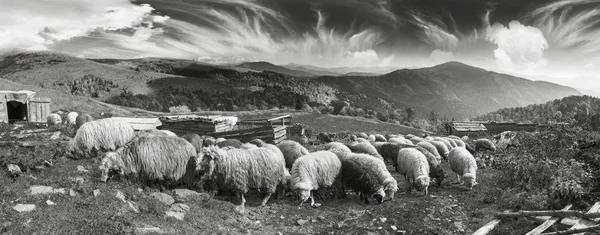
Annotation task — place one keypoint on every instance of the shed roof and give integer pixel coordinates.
(214, 119)
(21, 96)
(468, 126)
(141, 123)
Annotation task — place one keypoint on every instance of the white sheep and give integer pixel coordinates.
(82, 119)
(416, 140)
(53, 119)
(100, 136)
(372, 138)
(415, 168)
(291, 150)
(369, 177)
(451, 141)
(446, 142)
(71, 118)
(339, 149)
(484, 144)
(365, 148)
(363, 135)
(464, 165)
(431, 148)
(441, 148)
(380, 138)
(241, 170)
(321, 169)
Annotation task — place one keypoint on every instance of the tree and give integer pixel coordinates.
(433, 117)
(410, 114)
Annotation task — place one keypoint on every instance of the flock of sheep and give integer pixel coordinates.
(161, 157)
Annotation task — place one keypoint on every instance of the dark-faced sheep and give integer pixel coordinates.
(161, 159)
(369, 177)
(82, 119)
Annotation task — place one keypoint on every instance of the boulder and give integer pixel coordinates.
(40, 189)
(24, 207)
(162, 197)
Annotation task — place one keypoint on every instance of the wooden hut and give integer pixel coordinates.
(141, 123)
(23, 106)
(465, 128)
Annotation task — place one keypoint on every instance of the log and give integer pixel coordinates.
(547, 224)
(567, 221)
(580, 224)
(569, 213)
(487, 227)
(574, 231)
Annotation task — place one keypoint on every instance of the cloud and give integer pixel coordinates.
(519, 46)
(435, 32)
(39, 24)
(439, 56)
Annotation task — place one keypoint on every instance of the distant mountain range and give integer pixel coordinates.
(452, 89)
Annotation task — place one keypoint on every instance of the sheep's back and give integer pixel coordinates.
(241, 170)
(461, 161)
(320, 169)
(412, 163)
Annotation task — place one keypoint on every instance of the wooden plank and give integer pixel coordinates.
(488, 227)
(576, 231)
(594, 208)
(567, 221)
(547, 224)
(568, 213)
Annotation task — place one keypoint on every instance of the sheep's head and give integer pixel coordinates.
(206, 162)
(258, 142)
(470, 181)
(110, 162)
(302, 189)
(390, 187)
(438, 174)
(422, 183)
(379, 195)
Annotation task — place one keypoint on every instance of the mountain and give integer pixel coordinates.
(588, 92)
(453, 89)
(340, 70)
(266, 66)
(582, 111)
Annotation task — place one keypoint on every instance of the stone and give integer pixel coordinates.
(133, 206)
(40, 189)
(24, 207)
(302, 222)
(50, 203)
(120, 195)
(180, 207)
(321, 218)
(382, 220)
(60, 190)
(78, 179)
(176, 215)
(72, 193)
(401, 232)
(14, 169)
(55, 135)
(47, 163)
(459, 225)
(82, 169)
(162, 197)
(394, 227)
(145, 229)
(96, 192)
(185, 193)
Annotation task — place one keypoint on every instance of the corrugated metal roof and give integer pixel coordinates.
(468, 126)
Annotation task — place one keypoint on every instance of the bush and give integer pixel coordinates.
(179, 109)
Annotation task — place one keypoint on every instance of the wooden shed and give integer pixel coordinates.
(465, 128)
(141, 123)
(23, 106)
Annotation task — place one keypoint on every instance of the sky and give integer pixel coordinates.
(552, 40)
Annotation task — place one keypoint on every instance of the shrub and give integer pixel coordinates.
(179, 109)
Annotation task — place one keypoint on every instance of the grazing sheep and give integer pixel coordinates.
(71, 118)
(195, 140)
(240, 170)
(459, 143)
(380, 138)
(431, 148)
(469, 148)
(369, 177)
(372, 138)
(484, 144)
(409, 136)
(441, 148)
(451, 141)
(446, 142)
(390, 151)
(361, 140)
(465, 138)
(208, 141)
(363, 135)
(415, 168)
(53, 119)
(234, 143)
(161, 159)
(100, 136)
(169, 133)
(378, 145)
(82, 119)
(324, 137)
(416, 140)
(365, 148)
(291, 150)
(454, 137)
(316, 170)
(464, 165)
(339, 149)
(258, 142)
(435, 165)
(150, 132)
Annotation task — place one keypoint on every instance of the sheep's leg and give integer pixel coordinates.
(266, 199)
(241, 207)
(457, 180)
(312, 199)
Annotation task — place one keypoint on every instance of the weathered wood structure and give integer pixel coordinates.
(272, 130)
(465, 128)
(499, 127)
(23, 106)
(141, 123)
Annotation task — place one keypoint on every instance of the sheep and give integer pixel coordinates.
(409, 136)
(313, 171)
(241, 170)
(435, 165)
(71, 118)
(372, 138)
(168, 133)
(464, 165)
(415, 168)
(82, 119)
(324, 137)
(446, 142)
(484, 144)
(361, 140)
(161, 159)
(388, 136)
(365, 148)
(234, 143)
(194, 139)
(441, 148)
(465, 138)
(100, 136)
(416, 140)
(431, 148)
(208, 141)
(53, 119)
(248, 146)
(390, 151)
(363, 135)
(454, 137)
(451, 141)
(459, 143)
(339, 149)
(380, 138)
(378, 145)
(291, 150)
(219, 140)
(369, 177)
(150, 132)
